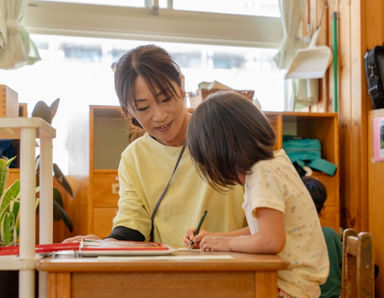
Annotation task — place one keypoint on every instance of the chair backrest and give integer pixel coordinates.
(358, 268)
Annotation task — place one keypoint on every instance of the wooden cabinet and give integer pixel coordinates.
(375, 200)
(102, 134)
(324, 127)
(97, 140)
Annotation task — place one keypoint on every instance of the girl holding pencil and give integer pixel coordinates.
(231, 142)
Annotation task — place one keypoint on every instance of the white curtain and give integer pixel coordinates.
(291, 15)
(16, 48)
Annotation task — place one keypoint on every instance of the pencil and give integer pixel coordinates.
(199, 225)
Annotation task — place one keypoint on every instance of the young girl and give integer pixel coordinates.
(231, 142)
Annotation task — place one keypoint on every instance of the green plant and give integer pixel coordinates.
(9, 206)
(47, 113)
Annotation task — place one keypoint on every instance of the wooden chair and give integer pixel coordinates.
(358, 268)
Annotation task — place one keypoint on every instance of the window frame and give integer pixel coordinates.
(162, 25)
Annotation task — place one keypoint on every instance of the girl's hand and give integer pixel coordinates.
(79, 238)
(215, 243)
(192, 241)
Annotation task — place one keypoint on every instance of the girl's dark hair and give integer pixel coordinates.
(317, 191)
(154, 65)
(226, 135)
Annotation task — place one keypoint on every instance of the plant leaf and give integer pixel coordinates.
(42, 110)
(62, 180)
(14, 208)
(9, 161)
(64, 216)
(10, 194)
(59, 200)
(53, 107)
(7, 228)
(4, 169)
(37, 164)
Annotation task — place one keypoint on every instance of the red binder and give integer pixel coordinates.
(91, 247)
(41, 248)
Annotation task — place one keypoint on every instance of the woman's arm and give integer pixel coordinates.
(118, 233)
(269, 239)
(124, 233)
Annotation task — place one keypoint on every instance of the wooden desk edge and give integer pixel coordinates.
(241, 262)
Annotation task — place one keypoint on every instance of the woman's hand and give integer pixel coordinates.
(215, 243)
(81, 237)
(192, 241)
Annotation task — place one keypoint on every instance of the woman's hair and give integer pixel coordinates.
(226, 135)
(154, 65)
(317, 191)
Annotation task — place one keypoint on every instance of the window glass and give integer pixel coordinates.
(78, 71)
(128, 3)
(244, 7)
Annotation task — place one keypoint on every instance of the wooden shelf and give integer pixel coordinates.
(15, 263)
(324, 127)
(27, 130)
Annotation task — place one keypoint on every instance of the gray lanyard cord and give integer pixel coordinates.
(164, 191)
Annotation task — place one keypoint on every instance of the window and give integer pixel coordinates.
(243, 7)
(129, 3)
(79, 43)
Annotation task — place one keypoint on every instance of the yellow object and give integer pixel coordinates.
(144, 170)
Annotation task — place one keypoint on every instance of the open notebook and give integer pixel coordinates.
(91, 247)
(108, 247)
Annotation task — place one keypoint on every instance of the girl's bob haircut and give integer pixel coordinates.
(226, 135)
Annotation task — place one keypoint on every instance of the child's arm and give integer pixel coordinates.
(188, 237)
(269, 239)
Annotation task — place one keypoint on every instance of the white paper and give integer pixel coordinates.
(168, 258)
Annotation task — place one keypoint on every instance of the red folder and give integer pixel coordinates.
(92, 247)
(41, 248)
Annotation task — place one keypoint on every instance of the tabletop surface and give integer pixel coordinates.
(190, 262)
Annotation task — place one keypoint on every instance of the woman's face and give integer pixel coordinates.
(166, 119)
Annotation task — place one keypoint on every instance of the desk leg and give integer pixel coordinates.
(59, 285)
(265, 284)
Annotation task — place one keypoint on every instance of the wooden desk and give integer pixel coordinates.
(246, 275)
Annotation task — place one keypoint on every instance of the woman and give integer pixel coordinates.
(150, 89)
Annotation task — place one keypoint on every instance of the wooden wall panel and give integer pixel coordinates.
(78, 207)
(344, 108)
(354, 39)
(360, 28)
(358, 123)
